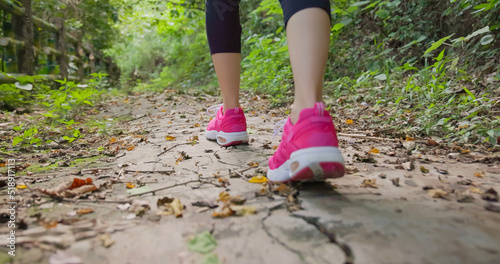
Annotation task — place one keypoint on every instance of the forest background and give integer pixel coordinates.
(421, 68)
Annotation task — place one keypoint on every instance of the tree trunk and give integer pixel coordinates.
(23, 29)
(61, 47)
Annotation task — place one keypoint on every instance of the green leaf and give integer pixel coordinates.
(202, 243)
(16, 141)
(436, 44)
(381, 77)
(382, 13)
(87, 102)
(337, 26)
(487, 39)
(440, 56)
(478, 32)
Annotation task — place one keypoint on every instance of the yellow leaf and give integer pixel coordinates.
(176, 207)
(85, 211)
(224, 196)
(21, 186)
(197, 125)
(349, 121)
(369, 183)
(164, 110)
(130, 148)
(479, 174)
(275, 147)
(126, 100)
(170, 138)
(475, 190)
(408, 138)
(2, 164)
(112, 140)
(170, 122)
(243, 210)
(253, 164)
(373, 150)
(258, 179)
(130, 185)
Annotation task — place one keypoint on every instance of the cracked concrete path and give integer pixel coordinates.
(340, 221)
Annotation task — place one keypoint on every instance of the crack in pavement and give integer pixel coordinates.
(314, 221)
(266, 229)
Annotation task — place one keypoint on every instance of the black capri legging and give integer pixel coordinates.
(223, 21)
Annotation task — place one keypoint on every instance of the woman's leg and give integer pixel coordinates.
(224, 39)
(309, 145)
(308, 35)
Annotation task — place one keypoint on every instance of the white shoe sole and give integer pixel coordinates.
(310, 164)
(227, 139)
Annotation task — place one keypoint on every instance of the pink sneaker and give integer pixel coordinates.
(308, 150)
(229, 128)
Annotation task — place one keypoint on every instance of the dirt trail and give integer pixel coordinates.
(380, 212)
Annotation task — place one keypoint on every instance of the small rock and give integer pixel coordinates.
(411, 183)
(453, 155)
(409, 166)
(395, 181)
(490, 195)
(464, 197)
(382, 175)
(492, 208)
(409, 145)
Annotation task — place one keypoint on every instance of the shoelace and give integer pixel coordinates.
(212, 110)
(278, 127)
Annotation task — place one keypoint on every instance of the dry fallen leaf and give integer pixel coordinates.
(224, 212)
(22, 186)
(176, 207)
(71, 188)
(369, 183)
(130, 185)
(106, 240)
(130, 148)
(85, 211)
(431, 142)
(253, 164)
(479, 174)
(423, 169)
(349, 121)
(258, 179)
(170, 138)
(373, 150)
(243, 210)
(437, 193)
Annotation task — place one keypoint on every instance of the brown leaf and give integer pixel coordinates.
(369, 183)
(79, 191)
(437, 193)
(431, 142)
(479, 174)
(224, 212)
(85, 211)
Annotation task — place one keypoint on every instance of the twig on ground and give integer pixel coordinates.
(376, 138)
(164, 188)
(96, 169)
(172, 147)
